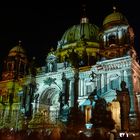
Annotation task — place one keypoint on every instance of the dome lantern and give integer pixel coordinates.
(84, 20)
(114, 8)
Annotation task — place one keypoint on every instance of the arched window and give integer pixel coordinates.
(112, 39)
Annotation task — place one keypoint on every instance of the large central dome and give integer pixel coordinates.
(85, 30)
(80, 42)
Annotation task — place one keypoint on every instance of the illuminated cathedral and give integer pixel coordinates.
(90, 62)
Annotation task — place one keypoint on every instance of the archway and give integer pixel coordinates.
(49, 103)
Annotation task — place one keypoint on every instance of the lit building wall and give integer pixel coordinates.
(103, 59)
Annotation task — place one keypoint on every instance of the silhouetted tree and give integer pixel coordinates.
(76, 119)
(101, 117)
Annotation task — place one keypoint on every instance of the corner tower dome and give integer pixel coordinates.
(114, 36)
(84, 30)
(115, 18)
(16, 63)
(17, 50)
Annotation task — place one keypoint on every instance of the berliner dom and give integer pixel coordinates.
(94, 70)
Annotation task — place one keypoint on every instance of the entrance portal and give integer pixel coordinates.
(49, 102)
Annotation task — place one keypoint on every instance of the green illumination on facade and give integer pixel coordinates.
(89, 64)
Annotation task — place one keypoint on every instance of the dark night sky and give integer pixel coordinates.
(40, 28)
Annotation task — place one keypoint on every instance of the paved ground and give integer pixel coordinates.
(136, 138)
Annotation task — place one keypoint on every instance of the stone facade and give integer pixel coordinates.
(86, 59)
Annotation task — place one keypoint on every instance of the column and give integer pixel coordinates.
(62, 96)
(129, 84)
(72, 92)
(67, 91)
(117, 37)
(138, 100)
(106, 42)
(80, 87)
(76, 91)
(102, 83)
(133, 120)
(84, 87)
(99, 84)
(105, 82)
(122, 75)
